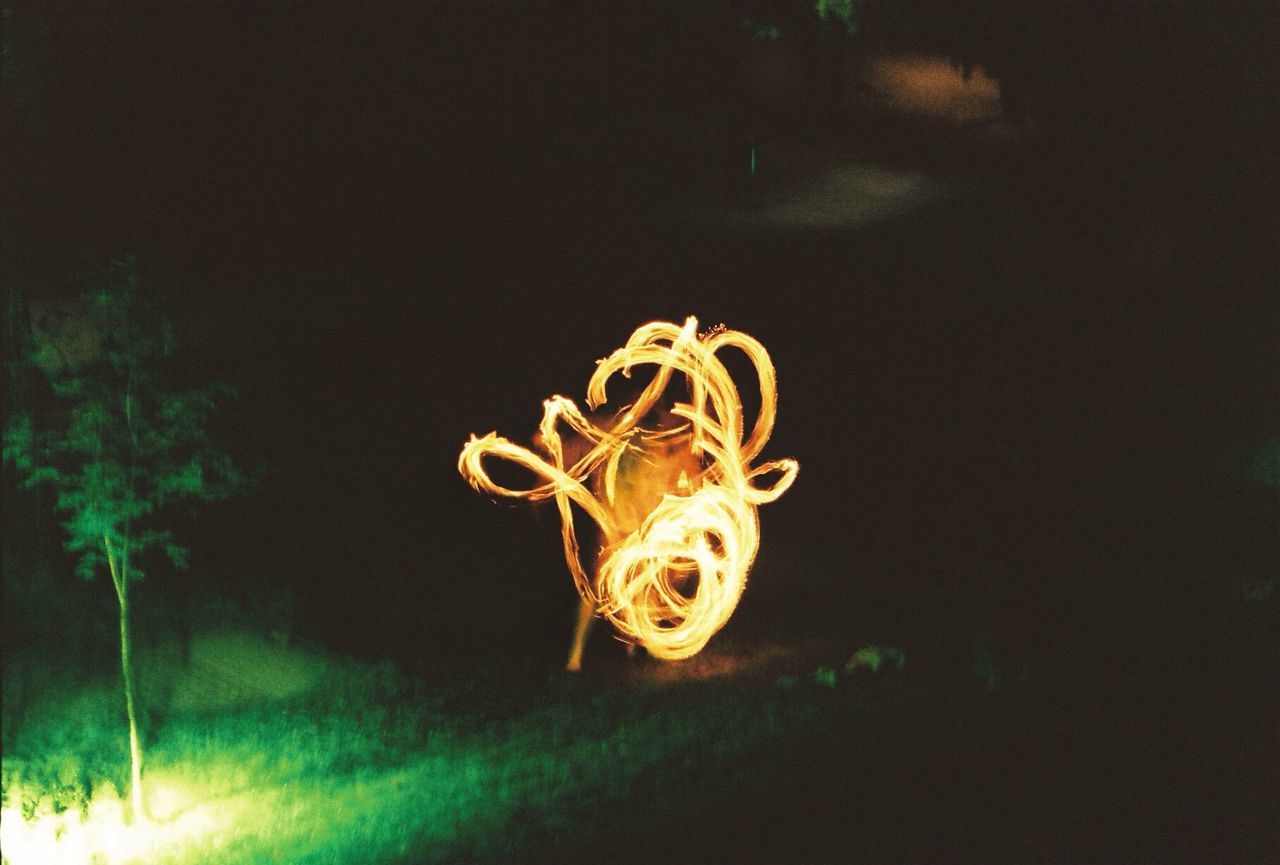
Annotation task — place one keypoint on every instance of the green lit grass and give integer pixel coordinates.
(371, 767)
(811, 757)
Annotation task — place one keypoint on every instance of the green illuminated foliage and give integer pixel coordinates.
(844, 11)
(874, 657)
(119, 444)
(125, 445)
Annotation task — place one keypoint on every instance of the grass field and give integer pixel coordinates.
(755, 752)
(366, 765)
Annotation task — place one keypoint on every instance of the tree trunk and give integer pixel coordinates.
(120, 580)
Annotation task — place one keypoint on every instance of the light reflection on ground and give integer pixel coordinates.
(103, 838)
(927, 86)
(724, 659)
(839, 195)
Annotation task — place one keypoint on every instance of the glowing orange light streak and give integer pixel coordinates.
(674, 581)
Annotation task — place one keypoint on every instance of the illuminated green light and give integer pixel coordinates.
(873, 657)
(358, 770)
(102, 837)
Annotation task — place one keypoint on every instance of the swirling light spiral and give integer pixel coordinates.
(672, 583)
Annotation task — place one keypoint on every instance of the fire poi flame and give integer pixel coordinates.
(673, 582)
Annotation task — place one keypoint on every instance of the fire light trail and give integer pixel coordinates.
(673, 582)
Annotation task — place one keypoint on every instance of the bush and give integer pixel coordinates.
(66, 742)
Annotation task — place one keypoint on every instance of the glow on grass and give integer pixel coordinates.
(102, 837)
(670, 584)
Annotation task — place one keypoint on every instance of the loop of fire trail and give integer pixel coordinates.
(672, 581)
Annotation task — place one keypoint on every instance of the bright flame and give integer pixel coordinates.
(672, 582)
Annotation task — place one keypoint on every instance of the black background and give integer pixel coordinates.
(393, 225)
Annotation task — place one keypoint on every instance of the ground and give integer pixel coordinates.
(754, 751)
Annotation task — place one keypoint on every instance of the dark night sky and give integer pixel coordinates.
(396, 224)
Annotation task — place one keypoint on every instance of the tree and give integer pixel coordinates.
(119, 446)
